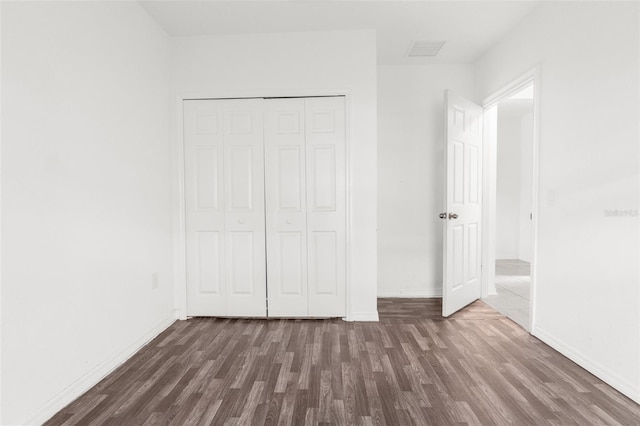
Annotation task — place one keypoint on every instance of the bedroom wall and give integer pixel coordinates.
(411, 175)
(86, 200)
(588, 280)
(295, 64)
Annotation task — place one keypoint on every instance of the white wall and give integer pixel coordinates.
(286, 64)
(526, 187)
(411, 175)
(86, 201)
(513, 180)
(587, 277)
(508, 182)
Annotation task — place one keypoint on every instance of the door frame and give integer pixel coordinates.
(178, 182)
(489, 172)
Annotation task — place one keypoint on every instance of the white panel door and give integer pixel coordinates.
(286, 210)
(246, 292)
(461, 249)
(204, 193)
(224, 188)
(326, 205)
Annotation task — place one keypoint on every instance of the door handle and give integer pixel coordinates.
(453, 216)
(442, 215)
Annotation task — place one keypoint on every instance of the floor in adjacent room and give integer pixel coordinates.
(513, 281)
(412, 367)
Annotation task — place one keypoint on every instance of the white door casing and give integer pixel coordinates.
(224, 190)
(463, 202)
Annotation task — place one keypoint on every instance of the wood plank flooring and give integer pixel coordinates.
(411, 368)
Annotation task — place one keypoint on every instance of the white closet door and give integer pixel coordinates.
(286, 219)
(224, 186)
(204, 193)
(326, 205)
(244, 212)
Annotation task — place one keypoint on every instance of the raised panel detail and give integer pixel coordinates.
(208, 258)
(206, 175)
(323, 122)
(290, 178)
(458, 256)
(206, 124)
(474, 124)
(458, 118)
(325, 261)
(291, 262)
(458, 173)
(241, 276)
(324, 178)
(240, 123)
(472, 248)
(473, 174)
(241, 178)
(288, 123)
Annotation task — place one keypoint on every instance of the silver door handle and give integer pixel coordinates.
(442, 215)
(453, 216)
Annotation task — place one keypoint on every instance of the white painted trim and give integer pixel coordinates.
(417, 293)
(508, 256)
(364, 317)
(489, 161)
(638, 304)
(489, 173)
(0, 235)
(535, 202)
(621, 384)
(180, 237)
(511, 88)
(93, 376)
(180, 250)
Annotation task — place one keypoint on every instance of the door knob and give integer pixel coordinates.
(442, 215)
(453, 216)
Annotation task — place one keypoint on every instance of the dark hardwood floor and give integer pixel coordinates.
(411, 368)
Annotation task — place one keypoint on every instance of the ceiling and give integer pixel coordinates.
(468, 27)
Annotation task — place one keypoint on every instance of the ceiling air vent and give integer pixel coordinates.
(425, 48)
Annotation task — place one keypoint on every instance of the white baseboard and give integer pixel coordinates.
(511, 256)
(419, 293)
(91, 378)
(364, 316)
(594, 368)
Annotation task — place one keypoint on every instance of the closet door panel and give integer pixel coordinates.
(244, 208)
(285, 189)
(326, 205)
(204, 204)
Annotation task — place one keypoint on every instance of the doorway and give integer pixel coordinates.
(512, 192)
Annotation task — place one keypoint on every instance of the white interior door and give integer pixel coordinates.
(224, 188)
(286, 207)
(326, 205)
(463, 201)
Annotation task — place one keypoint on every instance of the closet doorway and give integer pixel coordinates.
(265, 207)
